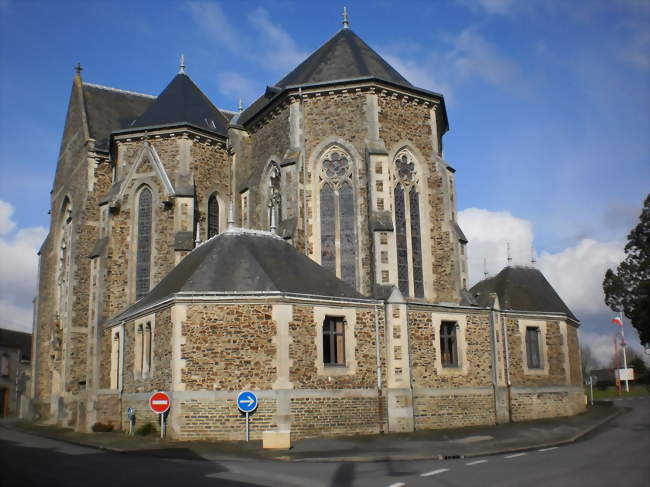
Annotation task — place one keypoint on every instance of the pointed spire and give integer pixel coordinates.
(78, 69)
(181, 67)
(240, 106)
(346, 19)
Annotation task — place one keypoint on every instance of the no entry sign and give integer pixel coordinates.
(159, 402)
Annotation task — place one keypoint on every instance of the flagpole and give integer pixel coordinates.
(624, 346)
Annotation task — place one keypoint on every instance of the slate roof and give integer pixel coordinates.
(109, 109)
(521, 288)
(182, 102)
(344, 56)
(17, 339)
(244, 261)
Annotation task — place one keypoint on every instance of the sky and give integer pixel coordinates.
(548, 103)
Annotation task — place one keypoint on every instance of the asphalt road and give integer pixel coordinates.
(617, 454)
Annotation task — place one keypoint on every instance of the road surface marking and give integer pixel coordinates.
(434, 472)
(476, 462)
(548, 449)
(398, 484)
(516, 455)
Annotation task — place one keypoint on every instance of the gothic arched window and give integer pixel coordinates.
(337, 215)
(407, 226)
(65, 243)
(274, 195)
(213, 216)
(143, 258)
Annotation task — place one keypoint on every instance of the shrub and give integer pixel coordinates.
(145, 429)
(99, 427)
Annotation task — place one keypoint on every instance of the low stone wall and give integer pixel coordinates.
(219, 420)
(334, 416)
(107, 407)
(540, 404)
(452, 411)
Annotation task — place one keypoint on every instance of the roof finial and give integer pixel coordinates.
(182, 65)
(509, 256)
(273, 227)
(197, 241)
(485, 271)
(240, 107)
(533, 260)
(346, 19)
(78, 69)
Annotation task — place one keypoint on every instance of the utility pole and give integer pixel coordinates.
(623, 346)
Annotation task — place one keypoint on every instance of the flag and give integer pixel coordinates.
(617, 321)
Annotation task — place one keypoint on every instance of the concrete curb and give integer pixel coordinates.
(340, 459)
(406, 457)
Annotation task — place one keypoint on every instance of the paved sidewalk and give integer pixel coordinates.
(420, 445)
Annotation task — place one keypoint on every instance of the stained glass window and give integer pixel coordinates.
(338, 216)
(416, 245)
(402, 250)
(213, 216)
(348, 243)
(143, 259)
(327, 228)
(407, 226)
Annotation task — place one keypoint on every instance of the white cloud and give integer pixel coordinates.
(280, 51)
(602, 347)
(577, 272)
(489, 233)
(235, 85)
(18, 269)
(211, 18)
(6, 224)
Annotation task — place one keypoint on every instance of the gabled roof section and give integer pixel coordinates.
(17, 339)
(521, 288)
(110, 109)
(344, 56)
(182, 102)
(244, 261)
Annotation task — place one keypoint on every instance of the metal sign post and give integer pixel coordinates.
(247, 403)
(591, 390)
(162, 425)
(159, 403)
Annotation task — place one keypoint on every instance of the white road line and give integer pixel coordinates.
(548, 449)
(434, 472)
(516, 455)
(398, 484)
(476, 462)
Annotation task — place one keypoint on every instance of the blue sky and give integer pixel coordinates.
(548, 103)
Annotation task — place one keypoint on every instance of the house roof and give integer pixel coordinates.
(109, 109)
(182, 102)
(17, 339)
(344, 56)
(521, 288)
(244, 261)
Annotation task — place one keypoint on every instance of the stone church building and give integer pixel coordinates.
(305, 248)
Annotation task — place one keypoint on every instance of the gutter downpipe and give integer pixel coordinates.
(380, 406)
(304, 177)
(493, 341)
(507, 357)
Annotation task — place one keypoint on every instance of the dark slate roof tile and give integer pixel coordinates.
(183, 102)
(459, 233)
(521, 289)
(110, 109)
(245, 261)
(344, 56)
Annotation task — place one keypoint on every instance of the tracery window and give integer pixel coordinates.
(143, 258)
(337, 215)
(213, 216)
(274, 199)
(407, 226)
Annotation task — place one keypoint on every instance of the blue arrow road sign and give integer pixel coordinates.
(246, 401)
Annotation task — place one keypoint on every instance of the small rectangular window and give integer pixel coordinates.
(334, 341)
(532, 348)
(448, 344)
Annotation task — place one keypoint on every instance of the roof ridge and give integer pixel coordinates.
(118, 90)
